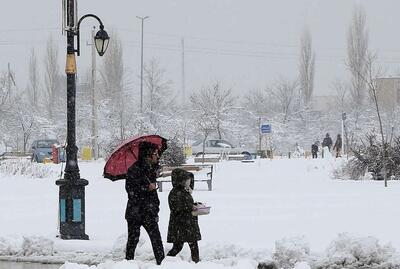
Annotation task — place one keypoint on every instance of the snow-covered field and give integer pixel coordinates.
(290, 211)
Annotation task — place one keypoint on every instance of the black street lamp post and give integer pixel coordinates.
(72, 187)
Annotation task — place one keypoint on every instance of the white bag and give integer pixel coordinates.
(201, 209)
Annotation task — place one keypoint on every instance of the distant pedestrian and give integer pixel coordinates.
(143, 203)
(314, 150)
(327, 142)
(338, 146)
(183, 226)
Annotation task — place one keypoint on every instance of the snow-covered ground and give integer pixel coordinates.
(290, 211)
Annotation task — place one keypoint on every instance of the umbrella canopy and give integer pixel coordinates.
(127, 153)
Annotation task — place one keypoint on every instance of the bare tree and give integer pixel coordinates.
(157, 88)
(342, 89)
(33, 83)
(26, 122)
(370, 78)
(357, 49)
(4, 91)
(52, 77)
(215, 105)
(8, 88)
(284, 92)
(257, 102)
(113, 74)
(306, 67)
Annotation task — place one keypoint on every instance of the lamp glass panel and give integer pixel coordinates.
(99, 43)
(106, 42)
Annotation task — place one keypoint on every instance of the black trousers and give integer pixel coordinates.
(194, 250)
(314, 155)
(151, 227)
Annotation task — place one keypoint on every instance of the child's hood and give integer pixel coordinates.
(179, 177)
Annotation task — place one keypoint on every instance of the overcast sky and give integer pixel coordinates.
(245, 44)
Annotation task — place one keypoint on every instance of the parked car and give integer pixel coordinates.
(41, 149)
(217, 146)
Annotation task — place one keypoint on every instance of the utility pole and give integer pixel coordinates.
(141, 66)
(343, 119)
(259, 134)
(183, 73)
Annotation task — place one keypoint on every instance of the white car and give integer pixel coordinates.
(217, 146)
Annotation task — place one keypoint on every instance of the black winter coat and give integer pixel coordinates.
(327, 142)
(142, 203)
(338, 144)
(314, 148)
(183, 226)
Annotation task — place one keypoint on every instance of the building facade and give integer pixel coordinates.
(388, 92)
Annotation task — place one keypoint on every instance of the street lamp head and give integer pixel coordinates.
(101, 41)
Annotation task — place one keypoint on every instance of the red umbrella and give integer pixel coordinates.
(127, 154)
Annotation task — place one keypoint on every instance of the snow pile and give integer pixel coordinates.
(37, 245)
(289, 251)
(358, 252)
(168, 263)
(26, 246)
(226, 254)
(302, 265)
(119, 246)
(142, 251)
(24, 167)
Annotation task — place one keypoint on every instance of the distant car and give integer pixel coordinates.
(41, 149)
(217, 146)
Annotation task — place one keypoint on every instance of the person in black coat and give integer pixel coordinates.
(314, 150)
(338, 145)
(183, 226)
(327, 142)
(143, 203)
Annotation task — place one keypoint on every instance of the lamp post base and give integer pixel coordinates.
(74, 237)
(72, 209)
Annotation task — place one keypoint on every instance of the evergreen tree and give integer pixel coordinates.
(173, 155)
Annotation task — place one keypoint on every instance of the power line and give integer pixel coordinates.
(256, 53)
(178, 37)
(278, 45)
(252, 53)
(28, 29)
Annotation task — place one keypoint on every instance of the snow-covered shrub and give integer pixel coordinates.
(37, 245)
(351, 170)
(368, 159)
(173, 155)
(24, 167)
(358, 252)
(8, 247)
(289, 251)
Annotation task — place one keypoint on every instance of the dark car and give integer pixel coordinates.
(41, 149)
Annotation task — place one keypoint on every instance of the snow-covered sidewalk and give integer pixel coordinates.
(286, 210)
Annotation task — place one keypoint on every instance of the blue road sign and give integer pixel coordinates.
(265, 128)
